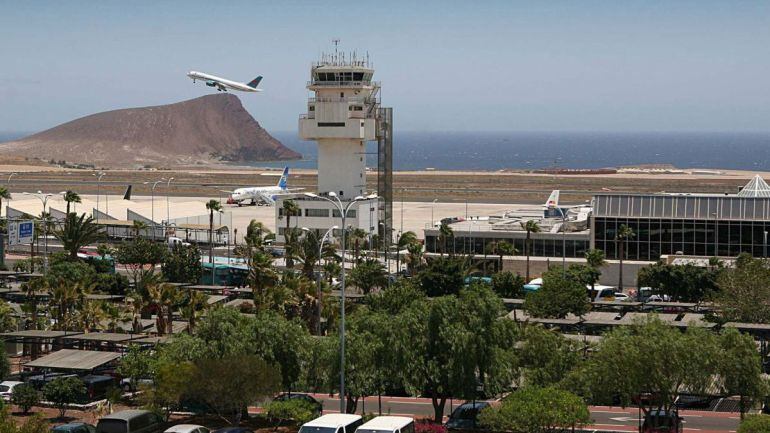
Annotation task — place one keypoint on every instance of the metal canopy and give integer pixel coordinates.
(104, 336)
(33, 333)
(757, 187)
(70, 359)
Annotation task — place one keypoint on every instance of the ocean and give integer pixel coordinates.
(533, 150)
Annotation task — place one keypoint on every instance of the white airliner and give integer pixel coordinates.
(223, 84)
(261, 194)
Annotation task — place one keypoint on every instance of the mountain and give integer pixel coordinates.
(202, 130)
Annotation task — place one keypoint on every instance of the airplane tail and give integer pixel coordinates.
(553, 200)
(255, 82)
(284, 181)
(127, 194)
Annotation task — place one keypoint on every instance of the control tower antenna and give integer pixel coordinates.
(336, 42)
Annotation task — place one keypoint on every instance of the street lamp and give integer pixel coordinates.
(9, 178)
(432, 223)
(152, 212)
(43, 199)
(98, 190)
(337, 203)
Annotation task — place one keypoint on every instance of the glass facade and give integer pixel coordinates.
(654, 237)
(550, 247)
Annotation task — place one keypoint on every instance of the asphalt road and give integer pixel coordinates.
(604, 418)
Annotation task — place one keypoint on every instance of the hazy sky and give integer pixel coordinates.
(444, 65)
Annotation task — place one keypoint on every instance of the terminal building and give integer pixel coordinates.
(344, 114)
(723, 225)
(684, 224)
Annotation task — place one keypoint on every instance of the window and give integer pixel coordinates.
(331, 124)
(342, 94)
(317, 213)
(351, 213)
(311, 108)
(358, 76)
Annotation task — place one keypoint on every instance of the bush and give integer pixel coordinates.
(25, 396)
(508, 285)
(429, 427)
(755, 424)
(63, 391)
(296, 410)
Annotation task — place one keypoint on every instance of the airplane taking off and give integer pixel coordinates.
(223, 84)
(261, 194)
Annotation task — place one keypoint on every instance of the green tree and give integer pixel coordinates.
(212, 206)
(182, 264)
(139, 258)
(584, 274)
(63, 391)
(745, 291)
(530, 226)
(368, 275)
(256, 232)
(560, 295)
(651, 359)
(281, 342)
(4, 195)
(741, 368)
(296, 411)
(289, 208)
(595, 259)
(77, 232)
(443, 276)
(308, 252)
(687, 283)
(755, 424)
(229, 392)
(262, 276)
(25, 396)
(71, 197)
(136, 364)
(546, 357)
(414, 258)
(508, 284)
(624, 234)
(536, 410)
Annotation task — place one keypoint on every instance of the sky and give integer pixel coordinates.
(444, 65)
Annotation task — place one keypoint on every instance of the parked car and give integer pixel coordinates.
(97, 386)
(622, 297)
(187, 428)
(317, 405)
(234, 430)
(74, 427)
(6, 389)
(127, 385)
(465, 416)
(130, 421)
(661, 421)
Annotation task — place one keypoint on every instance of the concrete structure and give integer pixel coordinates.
(342, 116)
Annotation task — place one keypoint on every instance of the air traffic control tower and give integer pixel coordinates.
(344, 114)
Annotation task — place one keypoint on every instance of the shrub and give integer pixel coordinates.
(429, 427)
(295, 410)
(755, 424)
(25, 396)
(63, 391)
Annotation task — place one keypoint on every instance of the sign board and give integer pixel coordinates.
(20, 232)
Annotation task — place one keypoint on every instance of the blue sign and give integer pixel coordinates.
(25, 229)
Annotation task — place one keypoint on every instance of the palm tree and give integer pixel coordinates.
(444, 233)
(290, 208)
(332, 268)
(357, 237)
(368, 275)
(414, 257)
(291, 244)
(404, 240)
(212, 206)
(309, 248)
(138, 226)
(4, 194)
(624, 234)
(196, 302)
(77, 232)
(90, 315)
(170, 297)
(262, 275)
(256, 233)
(595, 260)
(62, 300)
(501, 248)
(104, 250)
(71, 197)
(530, 226)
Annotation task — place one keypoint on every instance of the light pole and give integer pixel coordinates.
(43, 199)
(318, 277)
(765, 245)
(98, 191)
(168, 212)
(432, 224)
(9, 178)
(152, 201)
(343, 214)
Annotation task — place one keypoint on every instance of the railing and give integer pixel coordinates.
(344, 83)
(353, 100)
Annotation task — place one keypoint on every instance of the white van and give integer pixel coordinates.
(333, 423)
(388, 424)
(601, 293)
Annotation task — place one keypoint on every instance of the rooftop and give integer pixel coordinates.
(71, 359)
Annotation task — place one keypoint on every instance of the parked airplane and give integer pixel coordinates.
(223, 84)
(261, 194)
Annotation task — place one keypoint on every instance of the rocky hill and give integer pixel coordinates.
(202, 130)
